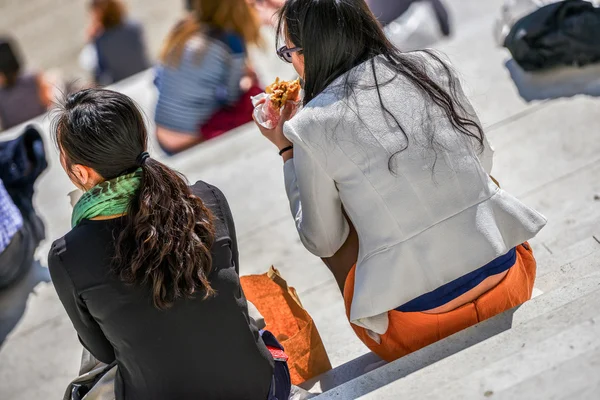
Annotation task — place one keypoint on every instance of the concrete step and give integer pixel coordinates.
(543, 384)
(547, 261)
(475, 339)
(542, 349)
(582, 265)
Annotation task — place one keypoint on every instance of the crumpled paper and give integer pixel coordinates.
(265, 114)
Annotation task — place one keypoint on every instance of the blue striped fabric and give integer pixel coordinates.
(204, 81)
(10, 218)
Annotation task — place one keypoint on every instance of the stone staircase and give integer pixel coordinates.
(546, 348)
(547, 154)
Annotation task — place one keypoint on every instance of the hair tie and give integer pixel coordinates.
(141, 159)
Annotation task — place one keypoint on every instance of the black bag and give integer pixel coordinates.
(564, 33)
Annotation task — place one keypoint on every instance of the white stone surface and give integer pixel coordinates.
(577, 269)
(547, 155)
(548, 262)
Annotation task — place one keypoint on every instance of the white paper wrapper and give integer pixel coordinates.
(262, 111)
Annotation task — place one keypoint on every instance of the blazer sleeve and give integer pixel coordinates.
(314, 201)
(89, 332)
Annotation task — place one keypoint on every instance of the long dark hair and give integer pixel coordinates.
(168, 232)
(10, 63)
(338, 35)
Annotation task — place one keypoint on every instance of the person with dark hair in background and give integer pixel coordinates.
(118, 49)
(387, 169)
(149, 272)
(23, 96)
(204, 80)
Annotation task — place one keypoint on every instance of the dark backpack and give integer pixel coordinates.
(564, 33)
(22, 161)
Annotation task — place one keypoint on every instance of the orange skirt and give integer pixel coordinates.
(412, 331)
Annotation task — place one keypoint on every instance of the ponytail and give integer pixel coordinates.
(167, 239)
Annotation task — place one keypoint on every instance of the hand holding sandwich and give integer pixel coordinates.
(276, 135)
(273, 109)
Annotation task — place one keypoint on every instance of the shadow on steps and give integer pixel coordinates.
(412, 362)
(13, 300)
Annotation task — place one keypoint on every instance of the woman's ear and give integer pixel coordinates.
(86, 177)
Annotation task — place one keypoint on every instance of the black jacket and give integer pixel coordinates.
(564, 33)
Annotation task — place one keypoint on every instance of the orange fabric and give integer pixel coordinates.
(289, 322)
(412, 331)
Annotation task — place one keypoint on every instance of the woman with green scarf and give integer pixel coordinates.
(149, 272)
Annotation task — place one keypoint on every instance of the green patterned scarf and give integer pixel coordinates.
(107, 198)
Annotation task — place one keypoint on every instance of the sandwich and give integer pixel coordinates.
(281, 91)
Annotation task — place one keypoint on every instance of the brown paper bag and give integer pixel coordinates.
(289, 322)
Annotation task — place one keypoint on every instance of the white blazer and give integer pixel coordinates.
(433, 218)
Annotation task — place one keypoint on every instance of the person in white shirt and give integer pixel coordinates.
(387, 169)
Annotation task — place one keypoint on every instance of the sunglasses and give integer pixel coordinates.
(285, 53)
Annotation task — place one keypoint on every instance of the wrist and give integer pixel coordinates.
(286, 150)
(283, 144)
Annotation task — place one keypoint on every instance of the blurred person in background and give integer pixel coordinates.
(160, 294)
(267, 9)
(16, 244)
(116, 48)
(204, 79)
(22, 160)
(387, 11)
(386, 169)
(23, 95)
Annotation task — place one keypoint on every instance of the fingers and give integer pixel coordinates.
(287, 111)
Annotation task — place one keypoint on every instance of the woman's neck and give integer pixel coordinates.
(107, 217)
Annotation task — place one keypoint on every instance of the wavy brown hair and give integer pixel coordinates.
(226, 15)
(168, 233)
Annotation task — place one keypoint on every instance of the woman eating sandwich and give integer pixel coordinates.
(386, 169)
